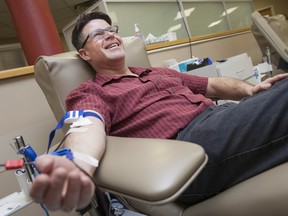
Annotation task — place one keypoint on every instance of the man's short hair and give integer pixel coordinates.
(77, 37)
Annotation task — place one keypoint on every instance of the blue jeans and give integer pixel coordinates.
(241, 140)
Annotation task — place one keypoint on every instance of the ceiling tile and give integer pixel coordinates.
(5, 18)
(7, 32)
(74, 2)
(56, 4)
(62, 23)
(3, 6)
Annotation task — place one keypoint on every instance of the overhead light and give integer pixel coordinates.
(229, 11)
(215, 23)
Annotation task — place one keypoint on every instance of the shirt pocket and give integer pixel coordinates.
(184, 91)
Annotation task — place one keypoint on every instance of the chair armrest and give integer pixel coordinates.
(154, 171)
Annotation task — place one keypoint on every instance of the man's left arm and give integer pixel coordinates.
(234, 89)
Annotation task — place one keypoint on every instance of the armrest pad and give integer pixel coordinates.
(149, 170)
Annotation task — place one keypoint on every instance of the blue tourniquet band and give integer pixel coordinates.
(71, 115)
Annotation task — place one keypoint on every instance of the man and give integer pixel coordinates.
(241, 140)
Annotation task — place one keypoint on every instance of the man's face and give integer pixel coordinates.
(102, 49)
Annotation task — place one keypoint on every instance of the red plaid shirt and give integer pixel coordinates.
(157, 103)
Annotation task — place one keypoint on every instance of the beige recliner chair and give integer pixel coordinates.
(151, 173)
(272, 32)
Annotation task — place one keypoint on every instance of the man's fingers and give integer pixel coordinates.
(268, 83)
(44, 163)
(40, 185)
(265, 86)
(276, 78)
(87, 191)
(53, 196)
(71, 197)
(260, 87)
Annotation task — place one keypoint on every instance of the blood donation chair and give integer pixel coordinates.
(272, 32)
(151, 173)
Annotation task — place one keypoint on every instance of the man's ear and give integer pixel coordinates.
(84, 55)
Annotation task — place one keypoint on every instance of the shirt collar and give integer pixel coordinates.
(103, 79)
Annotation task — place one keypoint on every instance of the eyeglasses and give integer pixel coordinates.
(99, 34)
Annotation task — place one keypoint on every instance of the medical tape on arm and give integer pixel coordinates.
(76, 156)
(76, 127)
(85, 158)
(73, 117)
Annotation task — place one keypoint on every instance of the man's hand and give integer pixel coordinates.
(267, 83)
(61, 185)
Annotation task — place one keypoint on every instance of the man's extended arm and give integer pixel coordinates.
(234, 89)
(61, 185)
(92, 142)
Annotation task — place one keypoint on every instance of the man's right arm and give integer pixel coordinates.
(61, 185)
(91, 142)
